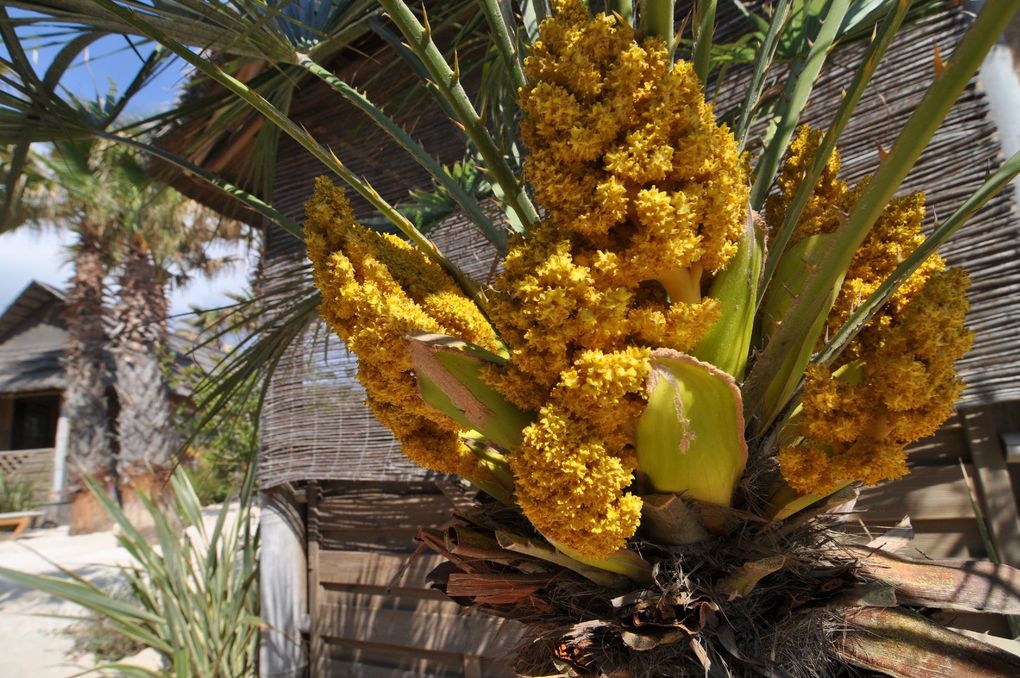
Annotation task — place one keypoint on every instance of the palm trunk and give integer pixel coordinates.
(90, 449)
(145, 423)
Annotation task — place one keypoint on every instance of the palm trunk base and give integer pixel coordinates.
(752, 599)
(87, 515)
(153, 486)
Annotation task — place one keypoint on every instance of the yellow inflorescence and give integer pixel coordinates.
(376, 289)
(644, 193)
(898, 382)
(822, 212)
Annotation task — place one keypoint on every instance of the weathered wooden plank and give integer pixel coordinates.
(380, 540)
(947, 539)
(317, 655)
(932, 538)
(375, 569)
(928, 493)
(386, 660)
(378, 599)
(370, 508)
(359, 669)
(396, 592)
(463, 634)
(994, 484)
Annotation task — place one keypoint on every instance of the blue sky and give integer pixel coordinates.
(26, 255)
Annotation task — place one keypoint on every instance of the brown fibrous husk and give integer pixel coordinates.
(689, 622)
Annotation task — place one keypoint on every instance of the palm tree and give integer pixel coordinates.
(146, 234)
(61, 189)
(86, 370)
(164, 240)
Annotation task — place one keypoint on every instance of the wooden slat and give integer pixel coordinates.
(317, 659)
(375, 569)
(928, 493)
(932, 538)
(370, 508)
(381, 540)
(359, 669)
(418, 630)
(396, 592)
(378, 599)
(994, 484)
(388, 660)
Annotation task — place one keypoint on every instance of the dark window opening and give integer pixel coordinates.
(35, 422)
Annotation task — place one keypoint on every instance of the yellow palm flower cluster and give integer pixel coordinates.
(376, 289)
(643, 194)
(896, 381)
(822, 212)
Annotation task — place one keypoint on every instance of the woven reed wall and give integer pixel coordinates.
(315, 426)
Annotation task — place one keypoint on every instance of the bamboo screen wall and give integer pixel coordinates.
(315, 426)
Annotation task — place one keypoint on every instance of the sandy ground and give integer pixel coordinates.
(33, 642)
(31, 623)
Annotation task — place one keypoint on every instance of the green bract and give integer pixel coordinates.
(690, 438)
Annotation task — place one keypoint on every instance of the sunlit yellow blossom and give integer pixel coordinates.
(643, 194)
(902, 384)
(571, 488)
(375, 290)
(822, 214)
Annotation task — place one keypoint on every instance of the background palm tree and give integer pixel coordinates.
(165, 240)
(147, 235)
(63, 189)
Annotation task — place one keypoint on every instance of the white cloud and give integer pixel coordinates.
(26, 256)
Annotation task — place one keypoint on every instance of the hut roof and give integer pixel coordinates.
(33, 336)
(371, 65)
(30, 360)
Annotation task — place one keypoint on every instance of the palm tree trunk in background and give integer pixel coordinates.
(146, 433)
(90, 449)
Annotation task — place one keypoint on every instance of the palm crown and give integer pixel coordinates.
(678, 364)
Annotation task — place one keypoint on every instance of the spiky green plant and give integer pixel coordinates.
(659, 410)
(16, 494)
(192, 596)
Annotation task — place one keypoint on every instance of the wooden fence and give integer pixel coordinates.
(36, 466)
(372, 613)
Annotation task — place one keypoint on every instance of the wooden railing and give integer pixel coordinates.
(35, 466)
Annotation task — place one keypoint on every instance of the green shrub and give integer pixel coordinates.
(16, 494)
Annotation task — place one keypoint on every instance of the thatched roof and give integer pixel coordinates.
(315, 426)
(369, 64)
